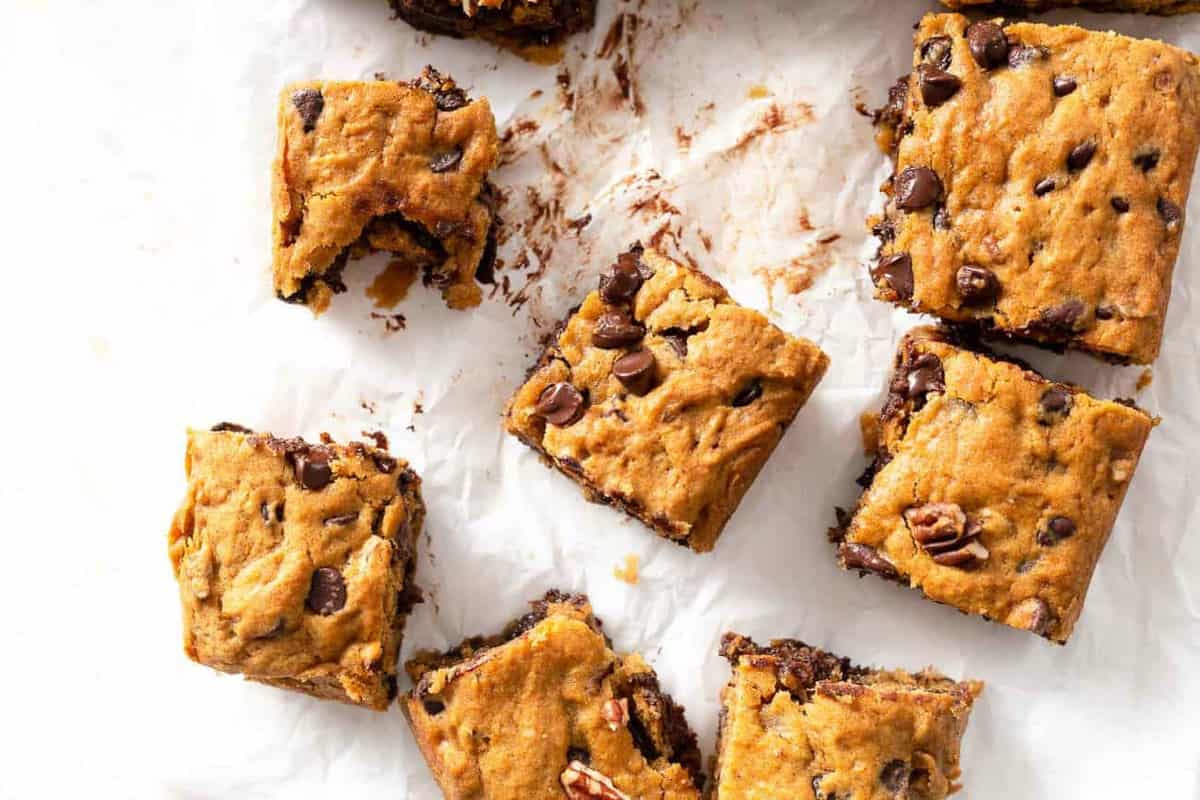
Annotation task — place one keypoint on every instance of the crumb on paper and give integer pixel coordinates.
(1145, 379)
(378, 437)
(868, 425)
(758, 92)
(391, 322)
(629, 571)
(368, 406)
(391, 285)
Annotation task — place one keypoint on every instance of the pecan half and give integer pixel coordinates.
(945, 532)
(581, 782)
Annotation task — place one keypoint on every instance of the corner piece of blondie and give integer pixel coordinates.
(1041, 178)
(295, 562)
(383, 166)
(663, 397)
(797, 722)
(547, 710)
(993, 489)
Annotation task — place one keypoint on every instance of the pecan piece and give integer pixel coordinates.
(615, 713)
(581, 782)
(945, 532)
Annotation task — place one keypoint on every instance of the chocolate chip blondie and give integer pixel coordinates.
(1146, 6)
(517, 21)
(383, 166)
(1041, 176)
(662, 396)
(797, 722)
(993, 489)
(295, 561)
(547, 710)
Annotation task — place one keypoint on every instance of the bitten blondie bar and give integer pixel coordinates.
(664, 397)
(545, 711)
(383, 166)
(800, 723)
(516, 21)
(1042, 174)
(993, 489)
(1147, 6)
(295, 562)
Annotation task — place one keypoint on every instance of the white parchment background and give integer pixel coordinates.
(136, 140)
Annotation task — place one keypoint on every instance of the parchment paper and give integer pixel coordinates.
(138, 137)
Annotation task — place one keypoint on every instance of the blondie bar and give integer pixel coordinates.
(1041, 177)
(993, 489)
(383, 166)
(295, 562)
(516, 21)
(547, 710)
(800, 723)
(664, 397)
(1146, 6)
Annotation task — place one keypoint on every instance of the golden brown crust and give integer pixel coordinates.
(724, 385)
(295, 562)
(508, 716)
(800, 723)
(1062, 171)
(1146, 6)
(995, 490)
(381, 165)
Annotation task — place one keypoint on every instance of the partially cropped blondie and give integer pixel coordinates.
(802, 724)
(1041, 177)
(516, 21)
(664, 397)
(993, 489)
(546, 711)
(295, 562)
(1145, 6)
(383, 166)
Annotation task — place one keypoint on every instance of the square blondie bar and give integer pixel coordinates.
(547, 710)
(295, 562)
(993, 489)
(664, 397)
(1041, 177)
(383, 166)
(800, 723)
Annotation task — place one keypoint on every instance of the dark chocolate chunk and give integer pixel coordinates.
(937, 51)
(1081, 156)
(265, 511)
(1064, 85)
(937, 86)
(894, 776)
(444, 162)
(925, 375)
(892, 112)
(941, 219)
(309, 103)
(917, 188)
(621, 281)
(560, 404)
(1060, 320)
(988, 44)
(433, 706)
(678, 339)
(636, 371)
(1056, 530)
(1120, 205)
(1054, 405)
(327, 592)
(580, 754)
(1170, 213)
(1147, 161)
(616, 329)
(231, 427)
(1044, 186)
(1105, 312)
(748, 394)
(895, 271)
(977, 285)
(313, 470)
(445, 91)
(862, 557)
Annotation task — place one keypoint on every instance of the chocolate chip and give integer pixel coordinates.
(384, 463)
(265, 511)
(988, 44)
(937, 86)
(862, 557)
(1105, 312)
(1080, 156)
(894, 776)
(917, 188)
(895, 272)
(433, 706)
(925, 375)
(1054, 406)
(229, 427)
(1170, 213)
(1044, 186)
(327, 592)
(279, 513)
(580, 754)
(1025, 565)
(621, 281)
(1056, 530)
(885, 230)
(616, 329)
(977, 285)
(1020, 55)
(1060, 320)
(341, 519)
(1064, 85)
(937, 51)
(560, 404)
(941, 219)
(678, 339)
(1120, 204)
(313, 471)
(309, 103)
(635, 371)
(1147, 161)
(748, 394)
(444, 162)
